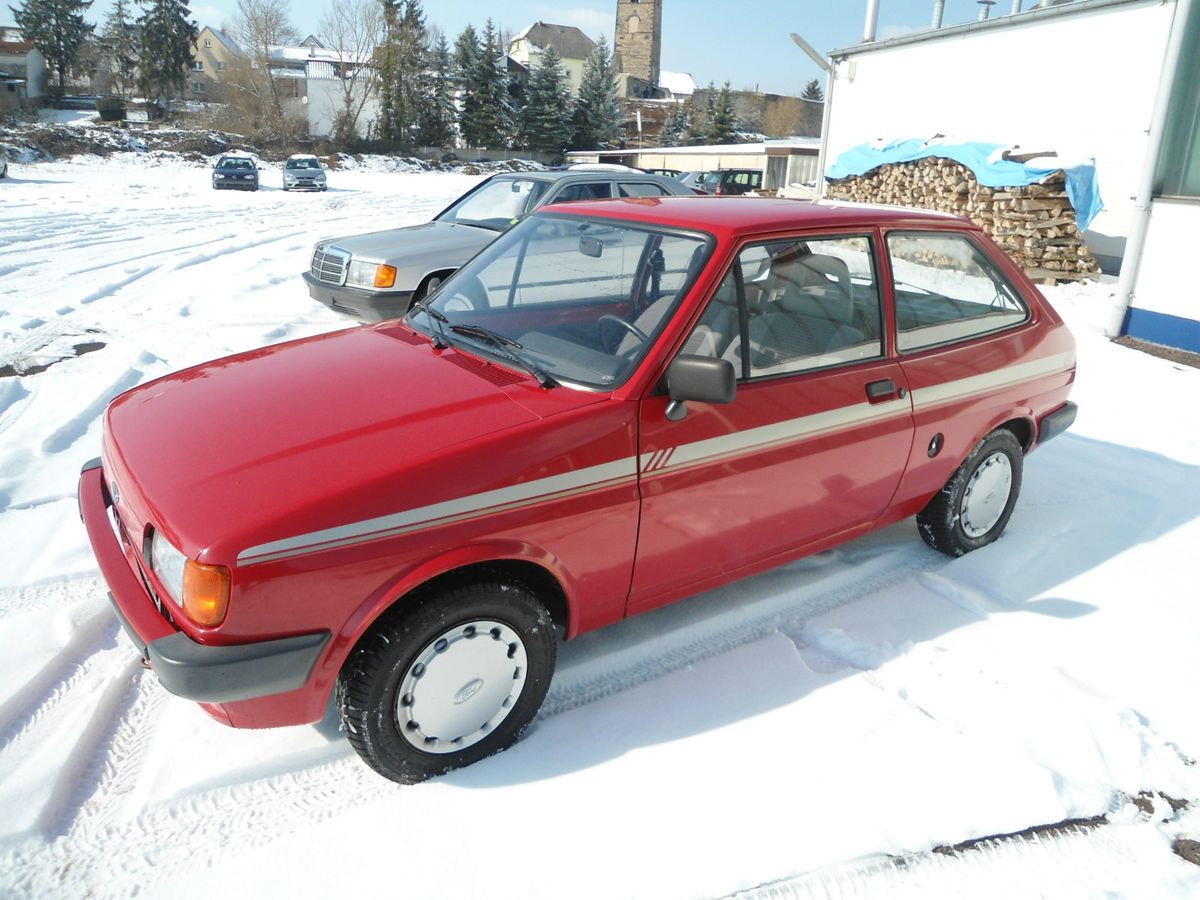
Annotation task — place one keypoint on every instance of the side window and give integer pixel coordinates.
(808, 303)
(948, 290)
(589, 190)
(641, 189)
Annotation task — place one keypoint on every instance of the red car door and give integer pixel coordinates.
(812, 447)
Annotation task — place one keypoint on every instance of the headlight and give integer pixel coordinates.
(168, 564)
(202, 590)
(217, 175)
(363, 274)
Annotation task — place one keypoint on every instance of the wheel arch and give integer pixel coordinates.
(538, 571)
(423, 285)
(1022, 429)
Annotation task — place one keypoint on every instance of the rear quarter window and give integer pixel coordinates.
(948, 290)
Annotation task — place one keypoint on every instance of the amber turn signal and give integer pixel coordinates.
(205, 593)
(385, 276)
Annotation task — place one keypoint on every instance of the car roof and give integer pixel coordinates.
(582, 175)
(735, 216)
(303, 156)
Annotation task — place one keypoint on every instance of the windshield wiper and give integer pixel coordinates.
(509, 348)
(439, 340)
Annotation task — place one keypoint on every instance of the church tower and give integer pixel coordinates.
(637, 45)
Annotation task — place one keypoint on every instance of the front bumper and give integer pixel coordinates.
(187, 668)
(370, 306)
(305, 186)
(232, 185)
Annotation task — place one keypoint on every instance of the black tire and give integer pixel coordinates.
(943, 523)
(368, 689)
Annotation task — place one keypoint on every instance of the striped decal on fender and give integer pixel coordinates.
(512, 497)
(663, 460)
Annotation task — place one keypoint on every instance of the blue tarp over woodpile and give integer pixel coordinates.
(985, 160)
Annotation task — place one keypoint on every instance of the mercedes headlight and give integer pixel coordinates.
(371, 275)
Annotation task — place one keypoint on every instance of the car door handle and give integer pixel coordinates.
(878, 391)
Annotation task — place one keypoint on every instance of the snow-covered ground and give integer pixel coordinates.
(816, 730)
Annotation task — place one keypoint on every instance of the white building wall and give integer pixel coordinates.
(1170, 245)
(324, 101)
(1080, 84)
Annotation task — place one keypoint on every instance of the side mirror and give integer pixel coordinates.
(699, 378)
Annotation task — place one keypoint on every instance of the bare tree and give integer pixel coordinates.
(353, 30)
(260, 27)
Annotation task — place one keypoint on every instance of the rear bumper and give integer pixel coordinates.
(1055, 423)
(370, 306)
(187, 668)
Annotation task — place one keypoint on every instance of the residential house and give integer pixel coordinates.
(215, 52)
(572, 45)
(24, 70)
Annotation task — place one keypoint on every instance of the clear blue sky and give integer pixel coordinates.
(745, 42)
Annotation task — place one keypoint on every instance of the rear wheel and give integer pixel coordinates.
(449, 680)
(973, 508)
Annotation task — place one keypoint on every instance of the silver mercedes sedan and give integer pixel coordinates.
(378, 276)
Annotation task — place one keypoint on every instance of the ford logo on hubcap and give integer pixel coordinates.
(468, 690)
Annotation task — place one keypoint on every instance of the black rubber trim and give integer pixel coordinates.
(370, 306)
(240, 672)
(87, 467)
(1057, 422)
(133, 635)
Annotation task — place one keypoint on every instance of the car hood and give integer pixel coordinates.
(236, 451)
(436, 244)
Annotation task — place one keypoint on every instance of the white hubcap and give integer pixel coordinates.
(986, 495)
(461, 686)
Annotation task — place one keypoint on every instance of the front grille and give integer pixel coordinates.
(330, 264)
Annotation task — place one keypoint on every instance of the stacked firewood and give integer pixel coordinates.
(1035, 224)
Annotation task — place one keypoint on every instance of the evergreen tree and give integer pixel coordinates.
(597, 119)
(486, 114)
(674, 128)
(412, 51)
(56, 28)
(438, 112)
(545, 121)
(812, 91)
(722, 127)
(386, 57)
(466, 54)
(119, 49)
(167, 38)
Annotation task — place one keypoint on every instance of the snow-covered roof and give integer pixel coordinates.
(567, 40)
(682, 84)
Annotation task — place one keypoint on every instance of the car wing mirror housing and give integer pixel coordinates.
(699, 378)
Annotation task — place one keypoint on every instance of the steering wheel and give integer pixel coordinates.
(629, 327)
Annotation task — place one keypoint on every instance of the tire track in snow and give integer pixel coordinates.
(157, 844)
(25, 712)
(77, 426)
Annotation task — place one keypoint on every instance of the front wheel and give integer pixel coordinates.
(976, 503)
(448, 681)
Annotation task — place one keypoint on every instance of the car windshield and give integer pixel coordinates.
(497, 204)
(303, 164)
(235, 164)
(579, 299)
